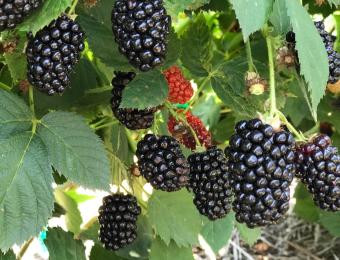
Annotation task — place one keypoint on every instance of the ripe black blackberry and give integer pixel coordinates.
(141, 28)
(133, 119)
(52, 54)
(13, 12)
(319, 168)
(209, 181)
(117, 219)
(262, 167)
(333, 56)
(162, 162)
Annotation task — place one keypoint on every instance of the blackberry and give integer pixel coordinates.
(333, 56)
(117, 219)
(13, 12)
(52, 54)
(262, 167)
(209, 181)
(133, 119)
(319, 168)
(141, 28)
(162, 162)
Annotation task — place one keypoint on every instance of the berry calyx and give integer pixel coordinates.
(117, 218)
(183, 133)
(180, 89)
(162, 163)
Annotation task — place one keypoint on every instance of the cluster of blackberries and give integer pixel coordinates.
(319, 169)
(13, 12)
(162, 162)
(117, 219)
(52, 54)
(140, 28)
(133, 119)
(209, 181)
(333, 56)
(262, 167)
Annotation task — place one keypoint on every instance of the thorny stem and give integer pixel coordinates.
(251, 66)
(73, 7)
(5, 87)
(272, 97)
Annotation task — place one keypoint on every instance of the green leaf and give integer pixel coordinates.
(75, 150)
(331, 221)
(100, 253)
(160, 250)
(140, 248)
(305, 207)
(8, 256)
(78, 197)
(26, 196)
(197, 43)
(50, 10)
(146, 90)
(119, 140)
(208, 111)
(174, 7)
(61, 245)
(311, 51)
(251, 14)
(16, 60)
(334, 2)
(15, 115)
(174, 50)
(91, 231)
(105, 49)
(174, 216)
(248, 235)
(217, 233)
(279, 17)
(73, 218)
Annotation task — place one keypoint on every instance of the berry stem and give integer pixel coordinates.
(31, 100)
(181, 116)
(105, 125)
(24, 248)
(315, 129)
(196, 95)
(251, 66)
(5, 87)
(272, 97)
(73, 7)
(303, 90)
(131, 142)
(291, 128)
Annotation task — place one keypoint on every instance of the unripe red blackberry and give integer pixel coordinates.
(333, 56)
(262, 167)
(183, 133)
(162, 162)
(133, 119)
(13, 12)
(117, 219)
(52, 54)
(319, 168)
(141, 28)
(209, 181)
(180, 89)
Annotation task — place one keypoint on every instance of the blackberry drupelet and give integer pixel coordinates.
(162, 162)
(333, 56)
(133, 119)
(210, 183)
(319, 168)
(13, 12)
(52, 54)
(141, 29)
(262, 166)
(117, 219)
